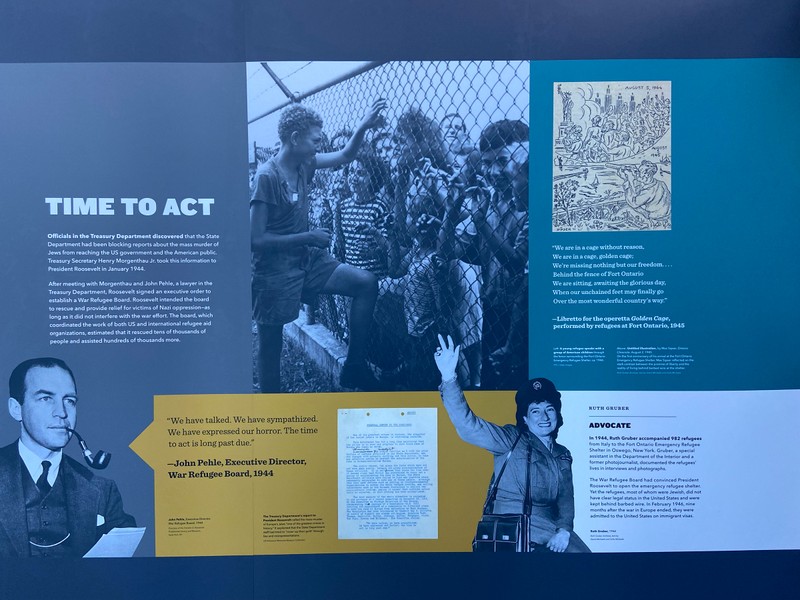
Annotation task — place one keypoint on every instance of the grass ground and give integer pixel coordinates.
(298, 372)
(301, 374)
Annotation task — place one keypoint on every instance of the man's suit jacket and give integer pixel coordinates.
(94, 505)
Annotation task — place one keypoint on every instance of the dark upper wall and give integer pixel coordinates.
(238, 30)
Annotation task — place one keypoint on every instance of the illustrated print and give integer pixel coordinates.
(612, 156)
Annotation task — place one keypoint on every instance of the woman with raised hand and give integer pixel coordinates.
(537, 466)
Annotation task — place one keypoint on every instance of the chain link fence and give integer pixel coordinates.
(404, 210)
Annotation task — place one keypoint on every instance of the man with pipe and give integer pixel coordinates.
(50, 505)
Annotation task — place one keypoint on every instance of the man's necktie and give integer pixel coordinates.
(42, 483)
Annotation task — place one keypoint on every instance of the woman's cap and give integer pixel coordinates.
(537, 390)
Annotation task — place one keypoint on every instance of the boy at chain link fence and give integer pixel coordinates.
(291, 262)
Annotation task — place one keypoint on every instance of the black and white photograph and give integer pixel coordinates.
(530, 503)
(389, 201)
(52, 505)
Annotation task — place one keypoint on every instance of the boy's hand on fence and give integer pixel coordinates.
(481, 196)
(455, 199)
(432, 178)
(439, 263)
(427, 222)
(390, 226)
(374, 118)
(499, 357)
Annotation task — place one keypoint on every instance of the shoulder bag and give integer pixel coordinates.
(504, 532)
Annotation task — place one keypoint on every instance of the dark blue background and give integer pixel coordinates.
(232, 31)
(235, 30)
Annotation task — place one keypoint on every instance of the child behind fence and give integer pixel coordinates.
(421, 270)
(362, 216)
